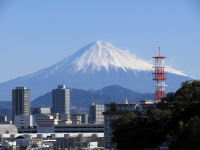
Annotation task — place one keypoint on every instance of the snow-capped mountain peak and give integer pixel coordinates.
(103, 55)
(100, 55)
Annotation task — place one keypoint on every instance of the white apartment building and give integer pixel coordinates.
(112, 112)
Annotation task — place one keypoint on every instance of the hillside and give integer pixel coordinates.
(81, 99)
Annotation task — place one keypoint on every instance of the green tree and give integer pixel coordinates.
(175, 119)
(139, 131)
(188, 135)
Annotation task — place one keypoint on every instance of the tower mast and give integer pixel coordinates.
(159, 76)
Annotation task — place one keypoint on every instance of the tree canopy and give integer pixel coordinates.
(176, 120)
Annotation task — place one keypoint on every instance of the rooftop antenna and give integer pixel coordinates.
(126, 101)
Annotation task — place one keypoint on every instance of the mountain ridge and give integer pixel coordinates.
(81, 99)
(96, 65)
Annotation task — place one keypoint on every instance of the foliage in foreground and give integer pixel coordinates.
(176, 120)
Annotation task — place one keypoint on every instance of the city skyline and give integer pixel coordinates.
(34, 31)
(120, 91)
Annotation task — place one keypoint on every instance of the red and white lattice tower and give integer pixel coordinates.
(159, 76)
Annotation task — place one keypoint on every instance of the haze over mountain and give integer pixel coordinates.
(97, 65)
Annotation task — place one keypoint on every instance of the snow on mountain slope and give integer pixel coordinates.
(103, 55)
(98, 56)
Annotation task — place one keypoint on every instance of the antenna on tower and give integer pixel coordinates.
(159, 76)
(70, 88)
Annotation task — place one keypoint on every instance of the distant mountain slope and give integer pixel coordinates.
(6, 108)
(120, 93)
(81, 99)
(97, 65)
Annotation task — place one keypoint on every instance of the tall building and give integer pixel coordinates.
(112, 112)
(20, 101)
(95, 114)
(61, 101)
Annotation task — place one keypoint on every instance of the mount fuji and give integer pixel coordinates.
(95, 66)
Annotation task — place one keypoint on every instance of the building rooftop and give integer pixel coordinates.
(8, 129)
(121, 104)
(61, 86)
(21, 87)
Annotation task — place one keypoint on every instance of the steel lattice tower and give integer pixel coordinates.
(159, 76)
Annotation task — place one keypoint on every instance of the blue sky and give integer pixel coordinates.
(35, 34)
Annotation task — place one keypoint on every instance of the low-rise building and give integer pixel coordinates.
(79, 128)
(46, 123)
(48, 141)
(42, 110)
(146, 105)
(64, 122)
(23, 121)
(76, 118)
(79, 118)
(8, 129)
